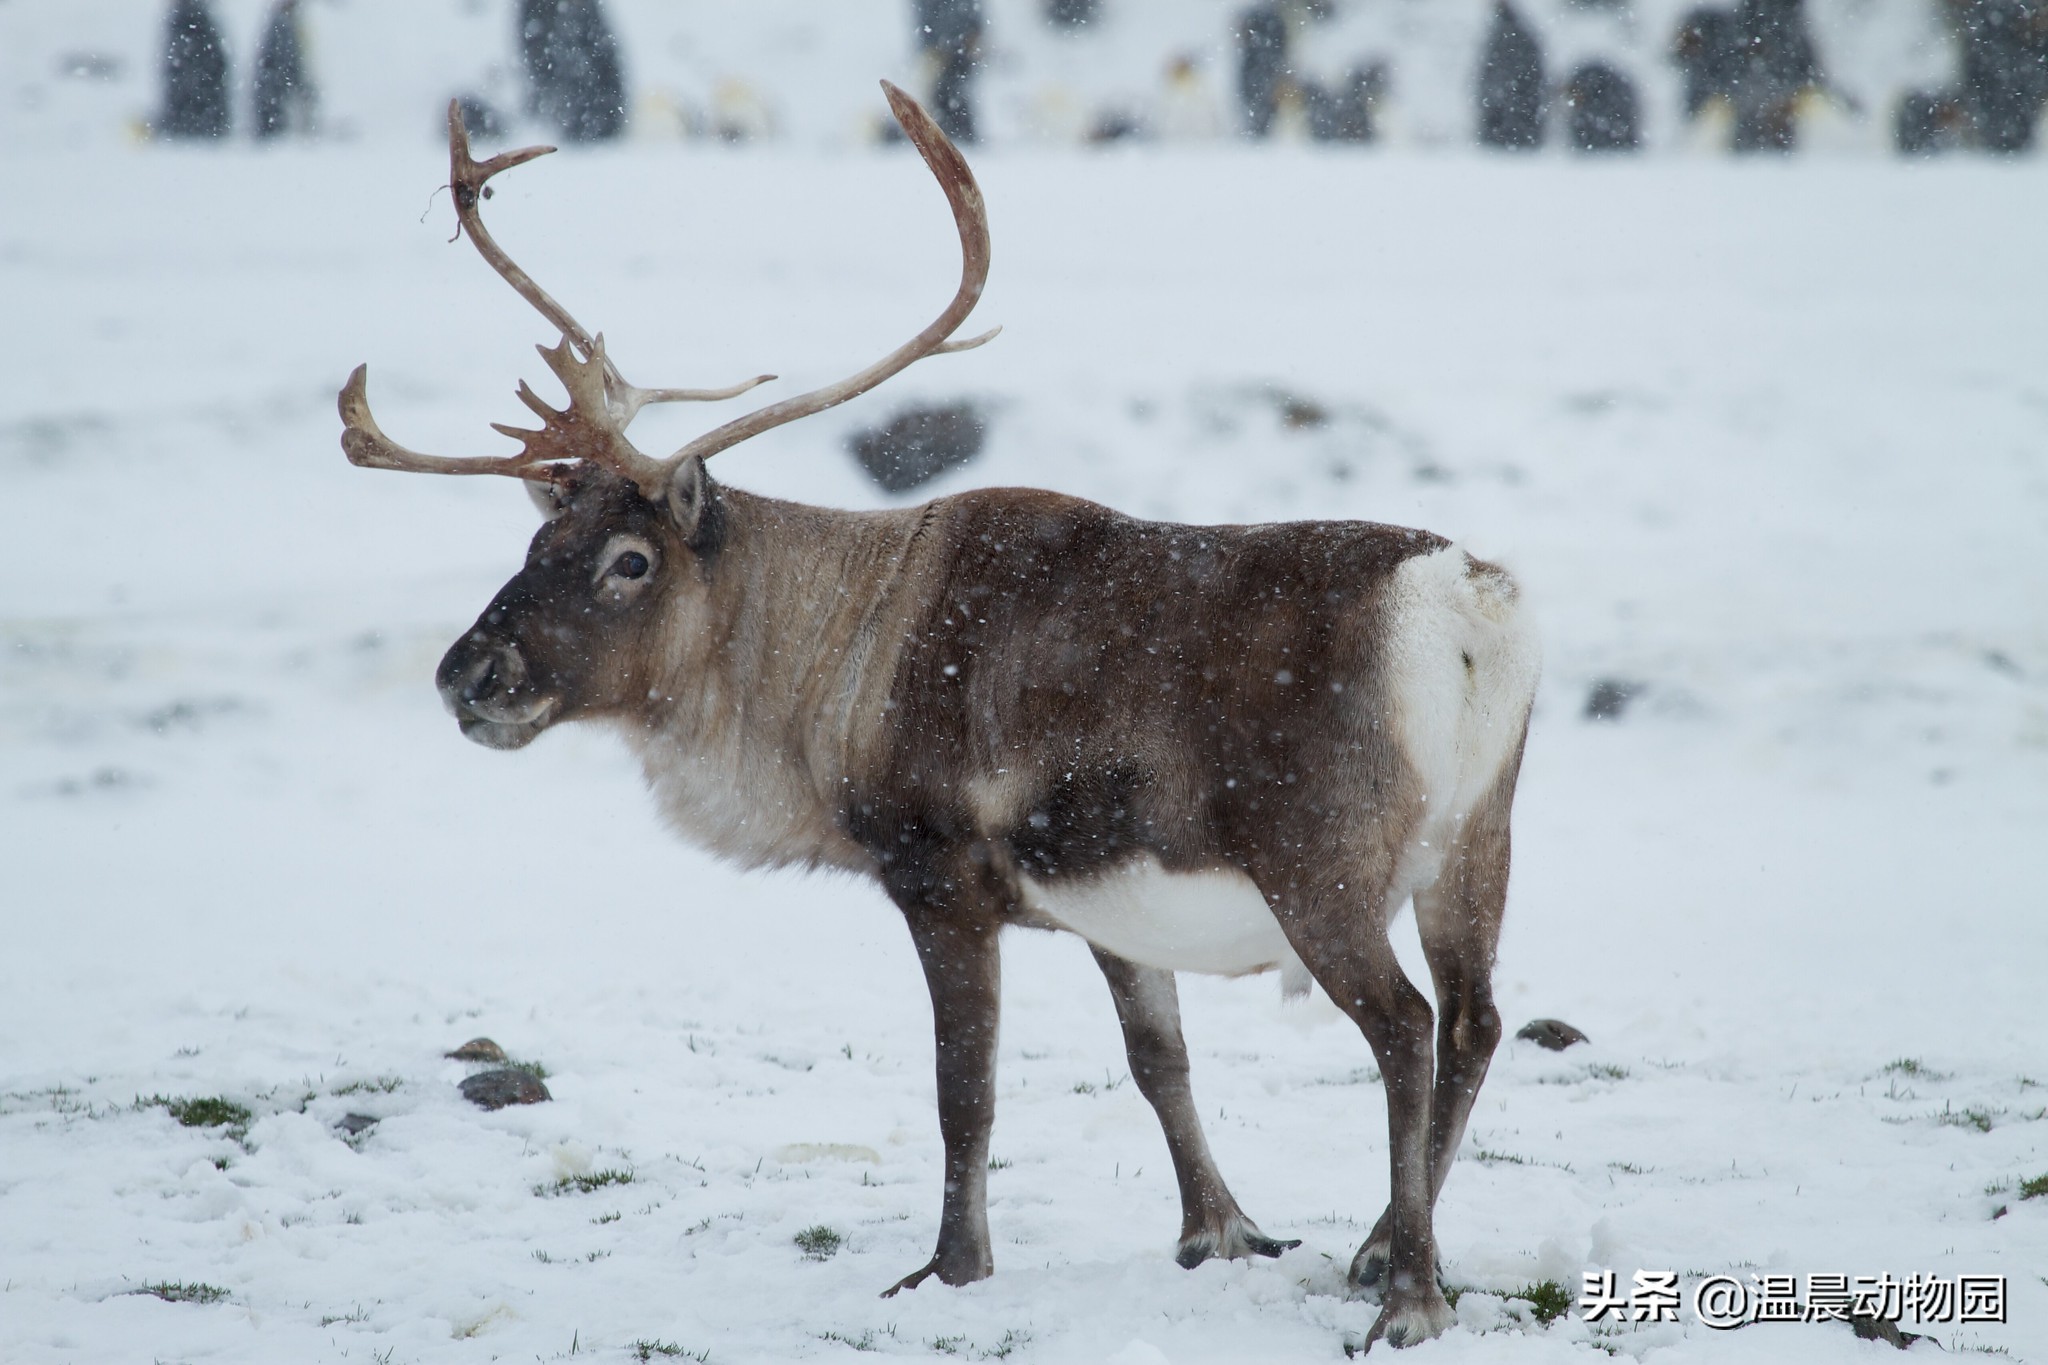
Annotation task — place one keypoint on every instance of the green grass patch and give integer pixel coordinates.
(1012, 1340)
(819, 1243)
(584, 1184)
(533, 1069)
(177, 1291)
(1548, 1299)
(2036, 1188)
(644, 1351)
(864, 1342)
(1975, 1117)
(206, 1111)
(1487, 1156)
(382, 1085)
(1607, 1071)
(1914, 1067)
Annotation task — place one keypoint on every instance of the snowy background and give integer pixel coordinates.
(1768, 441)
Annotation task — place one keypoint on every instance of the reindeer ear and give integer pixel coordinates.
(546, 497)
(689, 498)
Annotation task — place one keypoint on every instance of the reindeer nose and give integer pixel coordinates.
(480, 672)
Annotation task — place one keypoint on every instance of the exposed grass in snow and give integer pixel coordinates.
(2034, 1187)
(645, 1351)
(1975, 1117)
(819, 1242)
(585, 1184)
(862, 1341)
(179, 1291)
(207, 1111)
(1548, 1299)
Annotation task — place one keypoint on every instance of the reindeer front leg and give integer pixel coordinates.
(954, 927)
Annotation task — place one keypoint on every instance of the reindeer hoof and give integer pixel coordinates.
(1411, 1319)
(948, 1273)
(1369, 1266)
(1236, 1238)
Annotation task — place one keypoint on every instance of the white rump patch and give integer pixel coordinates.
(1214, 922)
(1462, 663)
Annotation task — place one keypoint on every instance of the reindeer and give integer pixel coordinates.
(1222, 749)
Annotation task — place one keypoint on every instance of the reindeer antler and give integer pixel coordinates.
(601, 403)
(970, 214)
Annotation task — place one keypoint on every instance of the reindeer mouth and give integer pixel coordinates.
(502, 731)
(501, 734)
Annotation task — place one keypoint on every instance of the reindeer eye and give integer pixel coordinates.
(631, 564)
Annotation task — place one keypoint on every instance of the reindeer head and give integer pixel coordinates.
(629, 539)
(572, 632)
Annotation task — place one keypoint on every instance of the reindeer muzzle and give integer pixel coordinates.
(488, 688)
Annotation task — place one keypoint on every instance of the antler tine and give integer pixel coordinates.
(585, 431)
(365, 444)
(466, 181)
(970, 215)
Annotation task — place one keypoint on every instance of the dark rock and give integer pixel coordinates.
(1610, 697)
(478, 1050)
(919, 444)
(505, 1086)
(1881, 1329)
(355, 1125)
(1554, 1034)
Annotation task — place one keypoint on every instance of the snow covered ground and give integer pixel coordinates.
(1769, 440)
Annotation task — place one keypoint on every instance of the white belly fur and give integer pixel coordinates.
(1215, 922)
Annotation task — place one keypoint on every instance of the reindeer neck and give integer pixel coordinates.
(773, 681)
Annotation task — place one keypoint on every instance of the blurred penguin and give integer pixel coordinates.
(1601, 110)
(949, 40)
(195, 75)
(2004, 69)
(285, 100)
(1510, 83)
(1775, 68)
(1189, 109)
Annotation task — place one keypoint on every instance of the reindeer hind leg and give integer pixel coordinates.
(1459, 921)
(1338, 925)
(1148, 1007)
